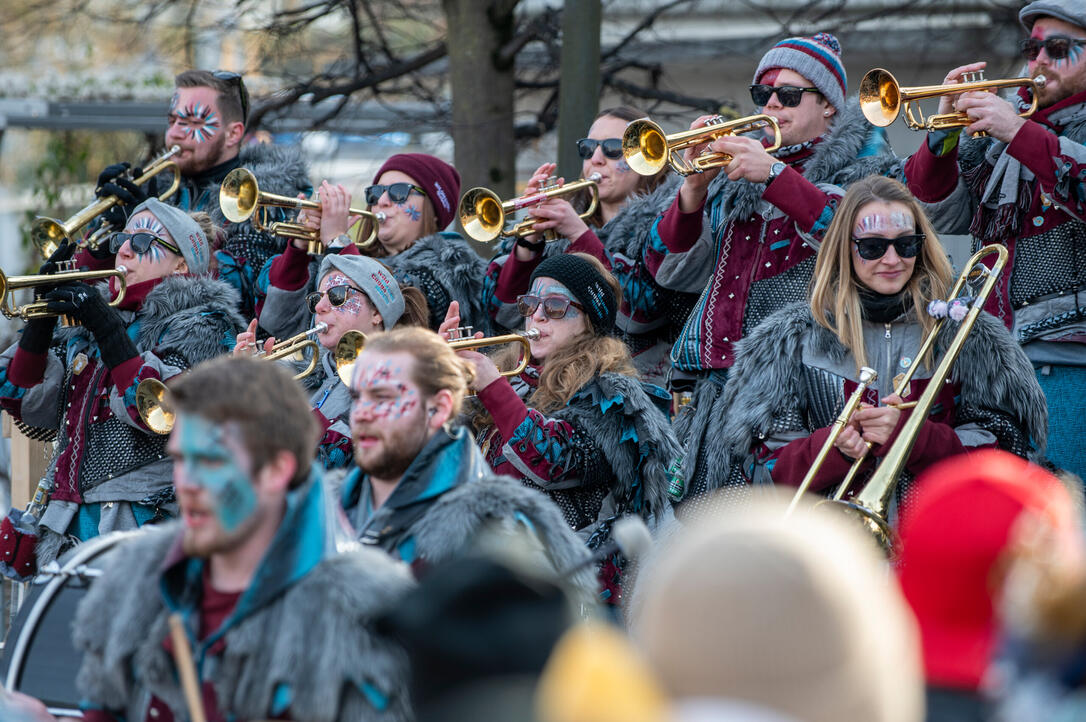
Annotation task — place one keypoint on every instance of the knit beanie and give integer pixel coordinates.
(438, 180)
(374, 279)
(816, 58)
(184, 230)
(586, 284)
(1070, 11)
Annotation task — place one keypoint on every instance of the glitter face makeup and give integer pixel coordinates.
(622, 166)
(200, 121)
(544, 287)
(412, 212)
(209, 455)
(354, 304)
(880, 223)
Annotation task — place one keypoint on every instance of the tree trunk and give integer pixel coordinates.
(482, 93)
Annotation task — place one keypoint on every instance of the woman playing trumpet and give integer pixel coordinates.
(111, 472)
(355, 293)
(576, 423)
(879, 271)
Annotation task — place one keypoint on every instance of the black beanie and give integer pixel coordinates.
(586, 284)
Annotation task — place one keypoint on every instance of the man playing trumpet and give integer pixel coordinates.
(1022, 186)
(110, 471)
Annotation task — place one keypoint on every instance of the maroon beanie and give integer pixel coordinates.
(437, 178)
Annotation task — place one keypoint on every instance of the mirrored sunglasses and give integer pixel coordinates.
(141, 242)
(612, 147)
(553, 306)
(874, 247)
(337, 296)
(787, 95)
(397, 192)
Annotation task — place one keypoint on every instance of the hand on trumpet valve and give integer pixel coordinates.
(954, 77)
(246, 343)
(58, 261)
(991, 115)
(539, 179)
(450, 327)
(877, 423)
(696, 185)
(749, 157)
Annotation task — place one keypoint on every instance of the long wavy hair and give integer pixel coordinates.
(647, 183)
(569, 368)
(835, 299)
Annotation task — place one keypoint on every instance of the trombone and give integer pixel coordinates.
(460, 340)
(882, 99)
(40, 309)
(48, 233)
(483, 214)
(871, 503)
(241, 199)
(647, 149)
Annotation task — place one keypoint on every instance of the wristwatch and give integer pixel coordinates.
(341, 241)
(775, 170)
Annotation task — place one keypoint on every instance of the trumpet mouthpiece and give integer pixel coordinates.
(1040, 80)
(595, 177)
(381, 217)
(320, 327)
(123, 269)
(531, 334)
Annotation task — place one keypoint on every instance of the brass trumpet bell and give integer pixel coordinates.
(882, 99)
(241, 199)
(483, 214)
(48, 233)
(647, 149)
(153, 405)
(346, 352)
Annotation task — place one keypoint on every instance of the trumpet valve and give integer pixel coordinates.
(550, 184)
(460, 333)
(714, 120)
(973, 76)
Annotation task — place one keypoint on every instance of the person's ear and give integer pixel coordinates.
(277, 473)
(439, 409)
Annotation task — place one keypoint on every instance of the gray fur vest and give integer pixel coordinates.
(445, 268)
(317, 636)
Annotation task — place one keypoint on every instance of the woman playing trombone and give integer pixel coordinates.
(881, 268)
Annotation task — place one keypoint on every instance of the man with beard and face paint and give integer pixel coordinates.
(880, 267)
(281, 623)
(207, 119)
(110, 471)
(355, 293)
(1023, 186)
(766, 213)
(421, 490)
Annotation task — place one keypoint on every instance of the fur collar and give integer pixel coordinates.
(449, 259)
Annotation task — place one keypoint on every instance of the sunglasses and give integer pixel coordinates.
(1058, 47)
(141, 242)
(337, 296)
(612, 147)
(243, 94)
(397, 192)
(788, 95)
(553, 306)
(874, 247)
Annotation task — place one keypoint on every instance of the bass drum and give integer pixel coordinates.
(39, 658)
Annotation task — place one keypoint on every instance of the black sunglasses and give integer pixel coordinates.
(1058, 47)
(228, 76)
(788, 95)
(397, 192)
(141, 242)
(553, 306)
(612, 147)
(337, 296)
(874, 247)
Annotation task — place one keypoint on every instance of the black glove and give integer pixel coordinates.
(85, 304)
(112, 182)
(37, 335)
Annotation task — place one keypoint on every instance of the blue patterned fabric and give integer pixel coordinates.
(1065, 387)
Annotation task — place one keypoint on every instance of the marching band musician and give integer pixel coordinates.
(650, 316)
(420, 489)
(207, 120)
(355, 293)
(576, 423)
(767, 213)
(111, 472)
(880, 266)
(417, 194)
(281, 623)
(1022, 186)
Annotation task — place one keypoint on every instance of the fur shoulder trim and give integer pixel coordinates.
(449, 260)
(280, 169)
(502, 504)
(628, 232)
(192, 315)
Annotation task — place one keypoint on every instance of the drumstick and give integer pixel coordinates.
(182, 655)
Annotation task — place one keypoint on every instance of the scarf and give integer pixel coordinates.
(882, 309)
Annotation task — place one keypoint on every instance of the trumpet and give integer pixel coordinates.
(241, 199)
(882, 99)
(647, 149)
(40, 309)
(460, 339)
(346, 352)
(483, 214)
(48, 233)
(295, 346)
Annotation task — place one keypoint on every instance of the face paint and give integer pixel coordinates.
(383, 379)
(622, 166)
(210, 462)
(355, 303)
(412, 212)
(203, 122)
(147, 223)
(173, 103)
(877, 222)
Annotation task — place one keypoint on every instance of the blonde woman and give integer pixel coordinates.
(880, 268)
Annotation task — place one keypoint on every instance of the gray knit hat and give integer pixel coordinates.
(1071, 11)
(184, 230)
(375, 280)
(816, 58)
